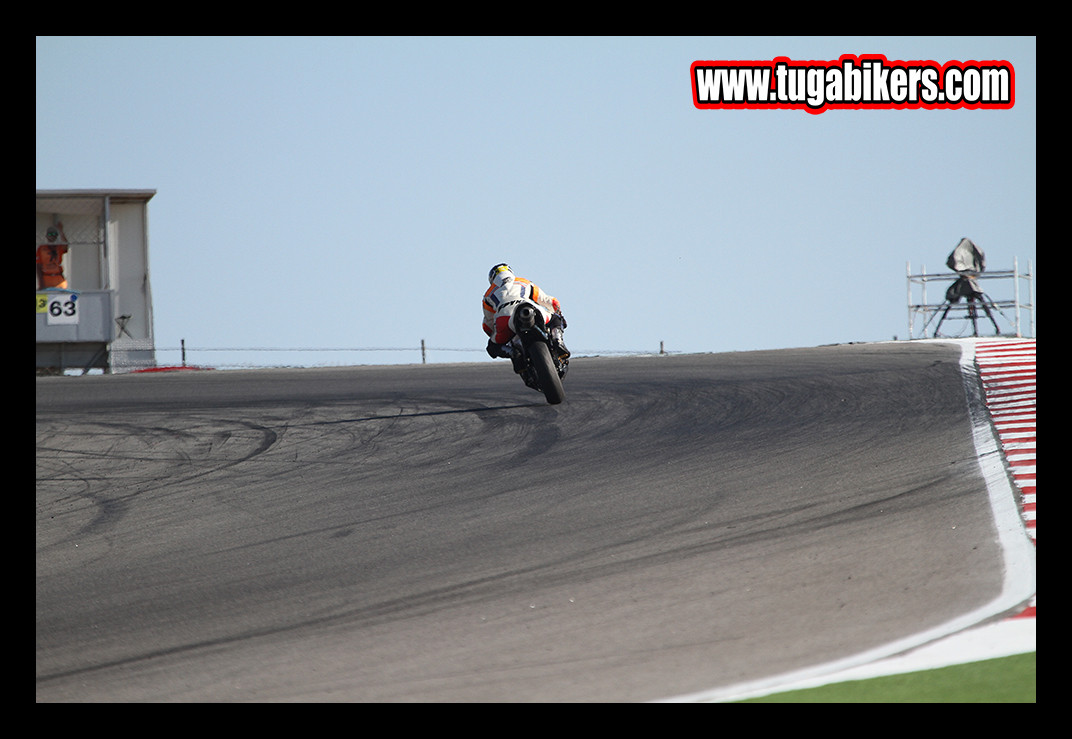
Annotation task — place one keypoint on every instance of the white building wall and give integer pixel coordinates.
(128, 240)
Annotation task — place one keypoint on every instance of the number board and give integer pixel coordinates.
(59, 307)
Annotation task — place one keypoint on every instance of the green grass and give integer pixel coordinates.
(1004, 680)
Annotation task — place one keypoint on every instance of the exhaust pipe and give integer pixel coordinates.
(525, 317)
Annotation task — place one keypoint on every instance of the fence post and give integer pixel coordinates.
(422, 352)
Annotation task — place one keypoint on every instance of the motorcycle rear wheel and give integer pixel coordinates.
(546, 375)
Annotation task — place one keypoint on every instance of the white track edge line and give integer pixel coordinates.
(1018, 584)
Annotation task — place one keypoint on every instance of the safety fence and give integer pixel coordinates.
(267, 357)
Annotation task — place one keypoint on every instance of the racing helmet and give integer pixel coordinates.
(500, 273)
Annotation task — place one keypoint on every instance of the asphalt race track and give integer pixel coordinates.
(439, 533)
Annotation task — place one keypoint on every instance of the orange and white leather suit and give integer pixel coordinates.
(501, 298)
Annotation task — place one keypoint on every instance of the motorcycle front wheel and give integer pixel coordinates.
(544, 367)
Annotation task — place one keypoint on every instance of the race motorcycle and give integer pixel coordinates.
(532, 354)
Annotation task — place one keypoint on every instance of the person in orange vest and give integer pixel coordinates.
(50, 259)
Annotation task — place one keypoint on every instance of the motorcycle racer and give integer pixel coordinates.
(505, 291)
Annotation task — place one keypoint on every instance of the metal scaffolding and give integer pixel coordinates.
(971, 317)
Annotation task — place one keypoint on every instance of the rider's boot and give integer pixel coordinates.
(559, 345)
(518, 361)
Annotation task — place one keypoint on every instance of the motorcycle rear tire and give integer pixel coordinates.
(546, 375)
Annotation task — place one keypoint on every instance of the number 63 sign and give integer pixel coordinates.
(59, 307)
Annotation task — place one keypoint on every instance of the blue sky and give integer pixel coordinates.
(353, 192)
